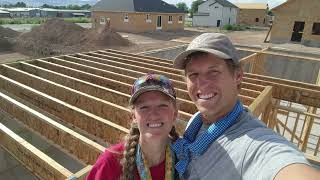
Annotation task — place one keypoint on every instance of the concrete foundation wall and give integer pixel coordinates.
(276, 66)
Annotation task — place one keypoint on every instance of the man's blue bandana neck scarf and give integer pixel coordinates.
(189, 145)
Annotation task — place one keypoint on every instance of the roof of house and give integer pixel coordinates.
(20, 9)
(252, 5)
(4, 12)
(136, 6)
(226, 3)
(64, 10)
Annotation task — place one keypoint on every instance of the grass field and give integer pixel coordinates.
(39, 20)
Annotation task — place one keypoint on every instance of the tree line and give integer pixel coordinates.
(73, 7)
(193, 9)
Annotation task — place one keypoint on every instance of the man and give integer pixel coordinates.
(223, 140)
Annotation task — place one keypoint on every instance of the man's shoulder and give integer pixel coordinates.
(247, 123)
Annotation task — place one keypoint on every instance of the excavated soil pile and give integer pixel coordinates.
(56, 36)
(7, 38)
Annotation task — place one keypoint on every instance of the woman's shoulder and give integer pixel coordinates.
(108, 163)
(112, 154)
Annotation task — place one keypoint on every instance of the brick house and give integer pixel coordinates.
(137, 15)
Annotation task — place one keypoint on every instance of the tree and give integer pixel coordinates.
(86, 6)
(20, 4)
(46, 6)
(194, 6)
(183, 6)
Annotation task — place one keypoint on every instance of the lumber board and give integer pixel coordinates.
(86, 102)
(94, 60)
(103, 93)
(137, 55)
(134, 62)
(81, 147)
(259, 105)
(140, 59)
(32, 158)
(106, 130)
(81, 175)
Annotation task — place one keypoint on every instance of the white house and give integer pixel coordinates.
(215, 13)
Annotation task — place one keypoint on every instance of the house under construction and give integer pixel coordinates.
(77, 104)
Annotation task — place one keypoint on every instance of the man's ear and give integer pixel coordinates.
(238, 76)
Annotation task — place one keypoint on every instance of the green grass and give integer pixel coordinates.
(39, 20)
(235, 27)
(188, 23)
(78, 20)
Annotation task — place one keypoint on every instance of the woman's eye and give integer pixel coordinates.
(192, 75)
(143, 107)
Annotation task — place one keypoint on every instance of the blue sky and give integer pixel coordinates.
(272, 3)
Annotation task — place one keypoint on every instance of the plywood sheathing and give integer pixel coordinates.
(75, 144)
(83, 120)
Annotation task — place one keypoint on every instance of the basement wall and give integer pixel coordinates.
(277, 66)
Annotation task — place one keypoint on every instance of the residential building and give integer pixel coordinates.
(137, 15)
(252, 14)
(215, 13)
(297, 21)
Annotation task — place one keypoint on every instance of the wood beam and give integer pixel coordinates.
(75, 144)
(82, 174)
(259, 105)
(137, 55)
(88, 122)
(32, 158)
(94, 60)
(95, 68)
(86, 102)
(139, 59)
(103, 93)
(261, 78)
(134, 62)
(307, 96)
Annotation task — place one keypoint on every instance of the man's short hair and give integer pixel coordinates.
(232, 65)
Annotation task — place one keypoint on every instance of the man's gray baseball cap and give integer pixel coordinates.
(214, 43)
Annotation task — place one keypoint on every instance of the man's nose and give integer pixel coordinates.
(203, 80)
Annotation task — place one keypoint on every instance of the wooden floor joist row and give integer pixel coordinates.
(89, 92)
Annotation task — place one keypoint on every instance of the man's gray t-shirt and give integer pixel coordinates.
(247, 150)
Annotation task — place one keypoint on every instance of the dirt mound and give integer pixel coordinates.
(107, 37)
(7, 38)
(56, 36)
(8, 33)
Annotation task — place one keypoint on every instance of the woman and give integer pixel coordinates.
(146, 153)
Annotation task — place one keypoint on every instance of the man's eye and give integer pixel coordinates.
(163, 105)
(214, 72)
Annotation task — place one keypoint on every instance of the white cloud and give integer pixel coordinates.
(272, 3)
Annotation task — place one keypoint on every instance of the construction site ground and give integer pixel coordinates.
(146, 41)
